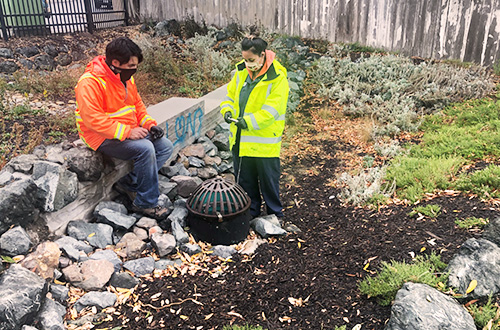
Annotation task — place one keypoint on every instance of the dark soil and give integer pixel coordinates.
(325, 268)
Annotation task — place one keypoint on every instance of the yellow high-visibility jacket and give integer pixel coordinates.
(264, 112)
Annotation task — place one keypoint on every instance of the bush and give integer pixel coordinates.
(486, 316)
(362, 188)
(394, 91)
(472, 222)
(392, 276)
(485, 183)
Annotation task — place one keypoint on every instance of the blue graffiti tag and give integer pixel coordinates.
(182, 125)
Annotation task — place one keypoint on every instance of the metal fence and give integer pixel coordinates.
(43, 17)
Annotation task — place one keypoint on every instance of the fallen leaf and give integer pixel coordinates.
(471, 287)
(92, 234)
(209, 316)
(235, 314)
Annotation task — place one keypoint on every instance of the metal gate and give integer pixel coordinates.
(43, 17)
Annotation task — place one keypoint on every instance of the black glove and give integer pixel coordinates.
(242, 123)
(227, 117)
(156, 132)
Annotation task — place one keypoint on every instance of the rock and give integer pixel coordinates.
(96, 273)
(51, 315)
(141, 233)
(224, 251)
(225, 155)
(420, 307)
(57, 187)
(476, 259)
(191, 249)
(22, 194)
(130, 246)
(28, 51)
(98, 235)
(163, 264)
(110, 256)
(210, 161)
(21, 296)
(66, 242)
(64, 262)
(146, 223)
(100, 300)
(73, 274)
(6, 52)
(51, 50)
(28, 327)
(179, 215)
(87, 164)
(27, 63)
(207, 173)
(45, 62)
(115, 219)
(123, 280)
(117, 207)
(194, 150)
(168, 27)
(196, 162)
(44, 260)
(14, 242)
(291, 228)
(181, 237)
(23, 163)
(266, 228)
(193, 171)
(225, 167)
(59, 292)
(163, 243)
(5, 178)
(167, 188)
(207, 143)
(8, 67)
(186, 184)
(140, 267)
(221, 141)
(177, 169)
(64, 59)
(492, 231)
(155, 230)
(180, 202)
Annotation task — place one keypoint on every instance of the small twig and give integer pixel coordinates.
(172, 304)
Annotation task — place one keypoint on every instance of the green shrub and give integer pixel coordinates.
(472, 222)
(485, 183)
(425, 269)
(430, 210)
(414, 177)
(483, 315)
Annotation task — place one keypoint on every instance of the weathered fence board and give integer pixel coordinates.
(460, 29)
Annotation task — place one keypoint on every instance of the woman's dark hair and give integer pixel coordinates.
(122, 49)
(253, 43)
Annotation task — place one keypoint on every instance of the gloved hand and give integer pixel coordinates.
(156, 132)
(241, 123)
(227, 117)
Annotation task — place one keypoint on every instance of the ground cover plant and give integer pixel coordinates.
(314, 280)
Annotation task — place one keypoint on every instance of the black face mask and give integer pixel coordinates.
(125, 74)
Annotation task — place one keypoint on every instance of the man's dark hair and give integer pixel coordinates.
(253, 42)
(122, 49)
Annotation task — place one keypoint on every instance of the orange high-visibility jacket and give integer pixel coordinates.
(105, 108)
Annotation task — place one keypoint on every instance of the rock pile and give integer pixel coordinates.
(116, 247)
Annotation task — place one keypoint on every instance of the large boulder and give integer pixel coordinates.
(21, 295)
(57, 187)
(477, 259)
(18, 204)
(98, 235)
(420, 307)
(87, 164)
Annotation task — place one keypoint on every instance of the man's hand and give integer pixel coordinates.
(138, 133)
(228, 117)
(156, 132)
(242, 123)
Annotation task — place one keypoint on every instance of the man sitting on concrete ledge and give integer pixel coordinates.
(111, 118)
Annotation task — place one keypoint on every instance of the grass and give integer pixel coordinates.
(486, 316)
(425, 269)
(472, 222)
(461, 134)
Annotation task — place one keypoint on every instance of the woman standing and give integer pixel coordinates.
(255, 106)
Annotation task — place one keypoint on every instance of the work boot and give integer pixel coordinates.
(124, 191)
(157, 212)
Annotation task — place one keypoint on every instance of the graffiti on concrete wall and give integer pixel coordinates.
(184, 126)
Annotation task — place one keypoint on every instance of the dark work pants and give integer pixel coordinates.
(252, 172)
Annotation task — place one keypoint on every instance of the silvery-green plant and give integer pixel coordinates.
(359, 189)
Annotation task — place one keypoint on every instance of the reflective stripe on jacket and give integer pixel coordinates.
(264, 111)
(105, 108)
